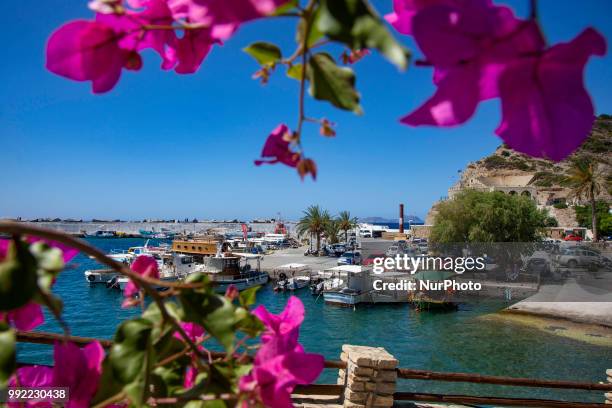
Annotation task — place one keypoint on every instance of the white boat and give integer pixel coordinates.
(234, 269)
(100, 276)
(101, 234)
(292, 284)
(352, 290)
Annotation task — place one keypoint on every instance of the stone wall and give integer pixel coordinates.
(370, 377)
(608, 395)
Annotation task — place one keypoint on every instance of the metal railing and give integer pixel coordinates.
(406, 373)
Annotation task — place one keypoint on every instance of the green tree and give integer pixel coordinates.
(603, 216)
(332, 230)
(587, 180)
(314, 223)
(346, 223)
(476, 216)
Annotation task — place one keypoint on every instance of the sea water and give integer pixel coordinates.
(454, 341)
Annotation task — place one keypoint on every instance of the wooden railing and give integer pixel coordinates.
(405, 373)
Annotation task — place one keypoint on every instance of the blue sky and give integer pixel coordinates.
(164, 145)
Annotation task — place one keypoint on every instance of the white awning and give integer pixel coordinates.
(293, 266)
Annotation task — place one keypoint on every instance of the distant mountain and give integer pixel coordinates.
(380, 220)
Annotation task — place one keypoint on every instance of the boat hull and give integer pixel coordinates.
(97, 277)
(342, 299)
(221, 285)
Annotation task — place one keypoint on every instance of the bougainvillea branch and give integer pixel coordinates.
(157, 358)
(478, 50)
(146, 283)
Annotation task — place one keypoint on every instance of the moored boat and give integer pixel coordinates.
(292, 284)
(354, 288)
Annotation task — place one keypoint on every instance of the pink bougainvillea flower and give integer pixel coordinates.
(195, 332)
(87, 51)
(26, 317)
(4, 245)
(79, 369)
(191, 49)
(222, 16)
(133, 36)
(469, 48)
(481, 51)
(67, 252)
(277, 147)
(547, 112)
(281, 363)
(30, 315)
(274, 380)
(405, 10)
(232, 292)
(284, 325)
(143, 265)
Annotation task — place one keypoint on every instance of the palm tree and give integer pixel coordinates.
(346, 223)
(332, 230)
(587, 180)
(314, 223)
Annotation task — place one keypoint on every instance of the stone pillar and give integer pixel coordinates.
(369, 377)
(608, 395)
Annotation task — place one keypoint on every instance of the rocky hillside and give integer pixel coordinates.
(506, 168)
(548, 173)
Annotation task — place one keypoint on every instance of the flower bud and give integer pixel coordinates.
(133, 62)
(231, 292)
(327, 129)
(307, 166)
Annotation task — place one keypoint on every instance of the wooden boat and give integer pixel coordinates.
(432, 300)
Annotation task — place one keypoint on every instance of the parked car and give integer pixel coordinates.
(350, 258)
(397, 248)
(579, 256)
(536, 265)
(336, 249)
(572, 237)
(370, 259)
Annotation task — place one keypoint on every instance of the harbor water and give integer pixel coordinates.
(460, 341)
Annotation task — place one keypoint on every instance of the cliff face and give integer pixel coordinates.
(515, 173)
(597, 146)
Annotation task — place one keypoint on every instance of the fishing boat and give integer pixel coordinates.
(101, 234)
(234, 269)
(100, 276)
(292, 276)
(291, 284)
(354, 288)
(320, 283)
(432, 300)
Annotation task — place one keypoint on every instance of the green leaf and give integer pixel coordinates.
(287, 7)
(18, 277)
(248, 323)
(295, 71)
(332, 83)
(247, 297)
(7, 353)
(129, 351)
(50, 263)
(108, 385)
(264, 53)
(356, 24)
(314, 34)
(214, 312)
